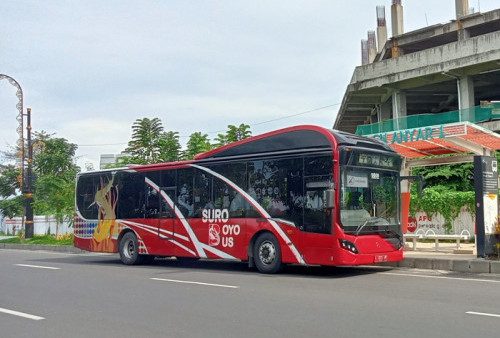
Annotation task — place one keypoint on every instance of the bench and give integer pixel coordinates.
(430, 234)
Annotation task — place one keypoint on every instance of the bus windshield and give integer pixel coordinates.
(369, 202)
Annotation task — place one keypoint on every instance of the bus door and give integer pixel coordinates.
(317, 224)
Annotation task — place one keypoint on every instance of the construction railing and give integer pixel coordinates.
(475, 114)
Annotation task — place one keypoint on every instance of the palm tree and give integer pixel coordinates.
(144, 146)
(237, 133)
(197, 143)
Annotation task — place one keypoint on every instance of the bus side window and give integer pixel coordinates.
(85, 194)
(131, 191)
(155, 205)
(277, 186)
(296, 199)
(184, 201)
(202, 193)
(227, 197)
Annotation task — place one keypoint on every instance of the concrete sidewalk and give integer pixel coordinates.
(43, 247)
(447, 258)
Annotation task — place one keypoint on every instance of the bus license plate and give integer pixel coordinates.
(380, 258)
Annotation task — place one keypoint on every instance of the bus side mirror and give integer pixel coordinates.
(328, 198)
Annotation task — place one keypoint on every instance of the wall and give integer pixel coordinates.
(42, 225)
(422, 223)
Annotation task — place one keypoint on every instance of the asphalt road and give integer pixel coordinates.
(68, 295)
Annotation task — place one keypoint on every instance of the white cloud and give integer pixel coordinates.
(90, 68)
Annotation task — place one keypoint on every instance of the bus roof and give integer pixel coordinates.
(292, 139)
(303, 137)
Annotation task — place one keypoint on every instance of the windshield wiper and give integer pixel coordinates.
(370, 221)
(395, 233)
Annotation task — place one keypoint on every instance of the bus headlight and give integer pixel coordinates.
(348, 246)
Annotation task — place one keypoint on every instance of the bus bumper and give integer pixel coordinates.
(344, 257)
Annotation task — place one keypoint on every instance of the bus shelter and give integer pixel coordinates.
(453, 143)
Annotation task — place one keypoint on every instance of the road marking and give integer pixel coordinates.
(482, 314)
(441, 277)
(20, 314)
(38, 266)
(198, 283)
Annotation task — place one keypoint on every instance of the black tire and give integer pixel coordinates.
(267, 253)
(129, 250)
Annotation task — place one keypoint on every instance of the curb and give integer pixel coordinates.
(40, 247)
(446, 264)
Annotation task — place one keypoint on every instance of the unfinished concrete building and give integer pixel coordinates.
(452, 67)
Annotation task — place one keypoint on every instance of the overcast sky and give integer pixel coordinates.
(90, 68)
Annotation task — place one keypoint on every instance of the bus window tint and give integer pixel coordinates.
(202, 193)
(318, 165)
(277, 186)
(168, 184)
(131, 192)
(225, 195)
(85, 194)
(317, 179)
(152, 203)
(155, 205)
(295, 191)
(184, 199)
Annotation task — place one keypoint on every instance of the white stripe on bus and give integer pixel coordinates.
(218, 252)
(262, 211)
(133, 224)
(181, 218)
(161, 230)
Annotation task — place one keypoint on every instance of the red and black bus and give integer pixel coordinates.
(300, 195)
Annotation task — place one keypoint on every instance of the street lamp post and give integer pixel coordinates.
(20, 143)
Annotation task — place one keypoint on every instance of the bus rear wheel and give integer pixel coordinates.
(267, 253)
(129, 249)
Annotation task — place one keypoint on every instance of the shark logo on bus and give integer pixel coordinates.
(213, 234)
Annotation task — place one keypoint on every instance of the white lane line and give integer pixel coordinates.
(20, 314)
(441, 277)
(38, 266)
(197, 283)
(482, 314)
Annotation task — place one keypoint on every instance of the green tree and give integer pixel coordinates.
(170, 148)
(54, 171)
(220, 140)
(146, 134)
(11, 202)
(237, 133)
(12, 206)
(9, 180)
(232, 134)
(197, 143)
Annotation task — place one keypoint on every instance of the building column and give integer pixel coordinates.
(465, 87)
(384, 111)
(399, 109)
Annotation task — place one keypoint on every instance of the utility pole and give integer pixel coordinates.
(28, 193)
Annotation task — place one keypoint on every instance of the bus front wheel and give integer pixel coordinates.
(129, 249)
(267, 253)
